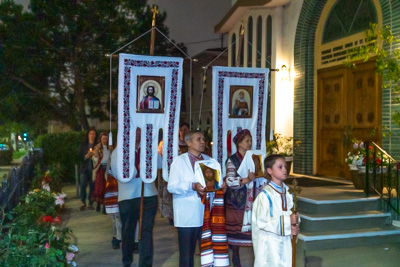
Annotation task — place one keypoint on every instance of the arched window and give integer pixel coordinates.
(233, 58)
(268, 42)
(259, 41)
(250, 42)
(347, 18)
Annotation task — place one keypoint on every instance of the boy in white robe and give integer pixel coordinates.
(273, 223)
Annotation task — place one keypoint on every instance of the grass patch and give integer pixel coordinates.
(19, 153)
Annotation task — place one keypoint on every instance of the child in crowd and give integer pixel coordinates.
(273, 223)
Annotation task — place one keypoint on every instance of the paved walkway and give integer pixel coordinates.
(92, 234)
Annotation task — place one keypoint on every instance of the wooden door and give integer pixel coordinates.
(349, 106)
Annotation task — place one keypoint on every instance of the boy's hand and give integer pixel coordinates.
(294, 220)
(295, 229)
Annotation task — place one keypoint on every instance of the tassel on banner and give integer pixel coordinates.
(110, 142)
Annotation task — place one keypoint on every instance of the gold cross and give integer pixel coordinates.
(155, 12)
(295, 190)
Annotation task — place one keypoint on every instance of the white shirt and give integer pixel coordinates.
(133, 189)
(106, 154)
(188, 209)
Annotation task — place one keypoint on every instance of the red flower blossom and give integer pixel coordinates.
(57, 220)
(48, 219)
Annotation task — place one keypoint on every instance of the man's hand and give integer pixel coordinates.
(199, 189)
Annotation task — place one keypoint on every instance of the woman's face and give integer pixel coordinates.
(92, 136)
(183, 131)
(104, 140)
(246, 143)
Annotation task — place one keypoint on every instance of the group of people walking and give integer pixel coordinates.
(272, 222)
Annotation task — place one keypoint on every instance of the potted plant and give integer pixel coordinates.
(283, 145)
(355, 157)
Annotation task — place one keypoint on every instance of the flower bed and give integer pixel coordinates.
(32, 234)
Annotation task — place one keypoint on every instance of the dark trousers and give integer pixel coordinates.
(188, 237)
(86, 178)
(129, 211)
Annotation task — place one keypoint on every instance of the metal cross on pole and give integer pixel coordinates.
(153, 33)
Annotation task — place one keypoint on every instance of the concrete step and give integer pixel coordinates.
(338, 206)
(348, 238)
(343, 221)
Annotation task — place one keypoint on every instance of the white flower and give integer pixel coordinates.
(73, 248)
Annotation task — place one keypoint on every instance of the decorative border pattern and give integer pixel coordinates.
(149, 150)
(261, 84)
(127, 123)
(128, 63)
(172, 111)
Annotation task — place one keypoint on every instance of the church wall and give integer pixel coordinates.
(304, 84)
(284, 22)
(391, 17)
(303, 125)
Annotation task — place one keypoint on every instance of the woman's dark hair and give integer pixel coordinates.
(87, 134)
(184, 124)
(101, 135)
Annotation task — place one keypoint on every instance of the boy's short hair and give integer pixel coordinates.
(270, 160)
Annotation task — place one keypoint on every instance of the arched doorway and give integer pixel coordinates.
(347, 100)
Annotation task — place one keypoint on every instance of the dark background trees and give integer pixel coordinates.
(52, 57)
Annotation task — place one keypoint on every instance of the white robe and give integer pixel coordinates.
(187, 206)
(271, 229)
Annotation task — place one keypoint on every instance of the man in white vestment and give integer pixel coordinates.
(187, 193)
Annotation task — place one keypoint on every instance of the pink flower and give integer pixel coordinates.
(57, 220)
(47, 246)
(355, 145)
(69, 256)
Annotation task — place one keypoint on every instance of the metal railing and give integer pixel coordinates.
(18, 181)
(383, 177)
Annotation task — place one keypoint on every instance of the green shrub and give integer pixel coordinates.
(34, 236)
(5, 157)
(60, 151)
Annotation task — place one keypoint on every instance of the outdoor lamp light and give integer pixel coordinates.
(285, 73)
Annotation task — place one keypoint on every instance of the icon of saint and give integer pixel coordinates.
(150, 101)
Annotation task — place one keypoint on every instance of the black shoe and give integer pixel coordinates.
(136, 248)
(115, 243)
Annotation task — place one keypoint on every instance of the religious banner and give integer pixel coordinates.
(149, 97)
(239, 102)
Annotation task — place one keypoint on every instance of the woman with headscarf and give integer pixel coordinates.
(235, 196)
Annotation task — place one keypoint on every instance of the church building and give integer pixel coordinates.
(314, 97)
